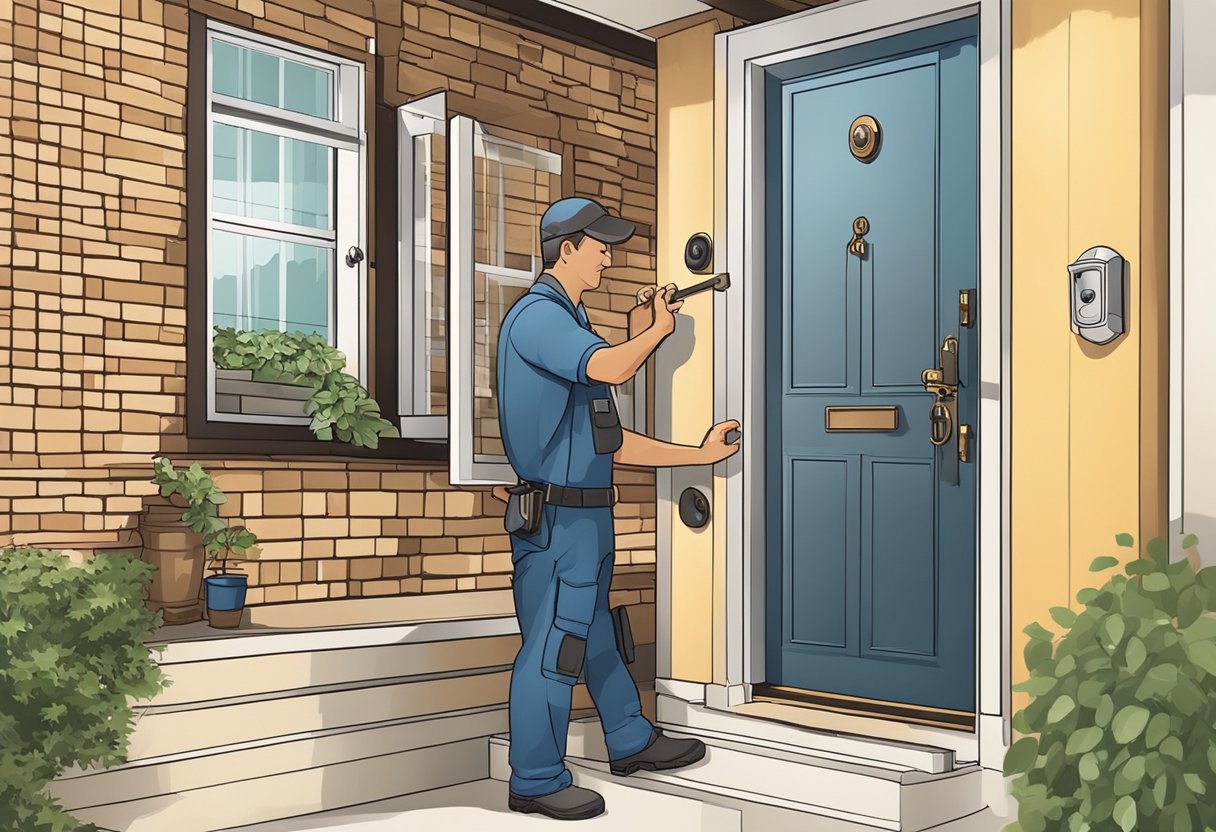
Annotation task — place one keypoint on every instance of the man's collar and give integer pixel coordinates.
(546, 279)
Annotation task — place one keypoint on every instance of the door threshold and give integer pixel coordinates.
(874, 708)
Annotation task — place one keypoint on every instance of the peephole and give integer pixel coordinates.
(698, 252)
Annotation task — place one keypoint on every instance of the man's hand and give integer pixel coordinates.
(664, 309)
(715, 447)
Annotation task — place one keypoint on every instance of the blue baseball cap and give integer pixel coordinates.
(575, 214)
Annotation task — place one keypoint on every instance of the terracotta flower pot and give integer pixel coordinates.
(177, 553)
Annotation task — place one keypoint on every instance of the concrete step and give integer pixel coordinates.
(676, 713)
(267, 726)
(759, 778)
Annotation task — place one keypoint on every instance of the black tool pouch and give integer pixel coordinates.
(605, 425)
(524, 508)
(624, 634)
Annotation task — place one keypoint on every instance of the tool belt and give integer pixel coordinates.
(526, 500)
(561, 495)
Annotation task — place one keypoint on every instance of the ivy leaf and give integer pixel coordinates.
(1190, 541)
(1083, 740)
(1063, 616)
(1061, 708)
(1129, 723)
(1021, 755)
(1125, 540)
(1125, 813)
(1104, 562)
(1158, 550)
(1203, 653)
(1156, 582)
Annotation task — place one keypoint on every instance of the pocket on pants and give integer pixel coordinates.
(566, 644)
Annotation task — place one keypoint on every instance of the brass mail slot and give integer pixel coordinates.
(864, 418)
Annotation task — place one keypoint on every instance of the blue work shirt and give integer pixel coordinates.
(544, 395)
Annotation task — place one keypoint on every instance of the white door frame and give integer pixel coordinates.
(741, 58)
(1192, 494)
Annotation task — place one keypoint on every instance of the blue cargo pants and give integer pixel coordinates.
(562, 578)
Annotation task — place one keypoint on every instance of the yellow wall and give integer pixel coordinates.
(1089, 137)
(686, 206)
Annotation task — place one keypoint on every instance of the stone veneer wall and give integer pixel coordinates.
(93, 254)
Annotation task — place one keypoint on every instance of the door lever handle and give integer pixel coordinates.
(942, 381)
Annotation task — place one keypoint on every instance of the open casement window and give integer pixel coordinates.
(498, 191)
(422, 265)
(285, 197)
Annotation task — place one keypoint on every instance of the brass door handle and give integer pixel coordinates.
(942, 382)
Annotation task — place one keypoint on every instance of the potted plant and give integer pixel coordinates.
(1120, 732)
(176, 553)
(226, 591)
(72, 661)
(194, 486)
(339, 407)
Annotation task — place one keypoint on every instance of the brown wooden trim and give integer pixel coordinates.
(753, 11)
(197, 360)
(383, 187)
(566, 25)
(894, 711)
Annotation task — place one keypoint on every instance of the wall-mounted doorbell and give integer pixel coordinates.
(698, 252)
(1096, 284)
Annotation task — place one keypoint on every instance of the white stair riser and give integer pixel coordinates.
(137, 782)
(205, 681)
(162, 733)
(683, 716)
(297, 793)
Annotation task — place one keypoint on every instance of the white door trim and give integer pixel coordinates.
(742, 57)
(1192, 495)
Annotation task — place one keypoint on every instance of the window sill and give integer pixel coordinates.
(213, 437)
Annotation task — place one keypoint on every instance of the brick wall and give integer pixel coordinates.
(93, 311)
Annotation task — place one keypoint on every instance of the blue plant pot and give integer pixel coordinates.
(226, 592)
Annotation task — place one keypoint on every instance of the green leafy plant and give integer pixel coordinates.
(203, 498)
(71, 653)
(340, 407)
(1121, 726)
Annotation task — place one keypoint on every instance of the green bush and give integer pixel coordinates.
(71, 652)
(203, 498)
(1121, 727)
(340, 406)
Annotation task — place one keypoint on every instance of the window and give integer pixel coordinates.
(285, 222)
(422, 265)
(498, 191)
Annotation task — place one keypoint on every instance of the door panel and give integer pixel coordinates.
(871, 552)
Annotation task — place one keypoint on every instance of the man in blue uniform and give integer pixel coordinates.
(562, 434)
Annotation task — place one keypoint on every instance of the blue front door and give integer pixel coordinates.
(871, 529)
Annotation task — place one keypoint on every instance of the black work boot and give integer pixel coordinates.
(661, 754)
(570, 803)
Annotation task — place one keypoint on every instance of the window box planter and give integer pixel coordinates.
(236, 393)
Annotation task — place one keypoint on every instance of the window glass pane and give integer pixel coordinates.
(306, 89)
(261, 283)
(512, 187)
(262, 176)
(258, 76)
(307, 289)
(306, 168)
(430, 276)
(492, 297)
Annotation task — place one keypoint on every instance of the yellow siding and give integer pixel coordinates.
(686, 206)
(1085, 72)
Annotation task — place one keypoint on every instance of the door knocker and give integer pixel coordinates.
(865, 137)
(861, 227)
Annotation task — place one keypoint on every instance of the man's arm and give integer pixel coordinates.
(639, 449)
(616, 365)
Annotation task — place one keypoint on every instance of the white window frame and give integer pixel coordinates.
(466, 467)
(346, 135)
(425, 117)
